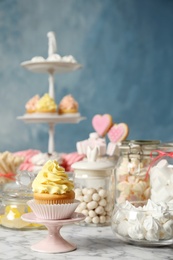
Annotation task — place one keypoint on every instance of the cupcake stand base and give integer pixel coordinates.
(54, 242)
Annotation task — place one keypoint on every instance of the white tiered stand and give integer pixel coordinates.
(51, 67)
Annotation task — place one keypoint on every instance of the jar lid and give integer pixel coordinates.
(136, 146)
(19, 190)
(166, 147)
(92, 163)
(17, 195)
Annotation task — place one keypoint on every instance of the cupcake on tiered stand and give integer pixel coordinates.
(45, 109)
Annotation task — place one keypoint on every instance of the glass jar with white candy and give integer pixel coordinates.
(143, 223)
(132, 180)
(95, 189)
(161, 174)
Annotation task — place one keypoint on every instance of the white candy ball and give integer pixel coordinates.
(102, 202)
(109, 213)
(85, 212)
(102, 219)
(91, 191)
(92, 205)
(78, 192)
(99, 210)
(83, 205)
(87, 198)
(84, 191)
(96, 197)
(102, 193)
(95, 220)
(88, 219)
(80, 198)
(108, 219)
(108, 207)
(92, 213)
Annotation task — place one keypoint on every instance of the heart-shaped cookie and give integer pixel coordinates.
(118, 132)
(102, 124)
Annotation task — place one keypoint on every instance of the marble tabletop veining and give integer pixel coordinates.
(92, 243)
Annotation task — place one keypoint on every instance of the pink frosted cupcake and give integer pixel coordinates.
(68, 105)
(32, 104)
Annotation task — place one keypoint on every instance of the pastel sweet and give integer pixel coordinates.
(68, 105)
(9, 164)
(38, 59)
(38, 160)
(69, 159)
(130, 184)
(46, 104)
(118, 132)
(151, 222)
(102, 124)
(26, 165)
(113, 149)
(32, 104)
(93, 141)
(53, 191)
(95, 205)
(161, 182)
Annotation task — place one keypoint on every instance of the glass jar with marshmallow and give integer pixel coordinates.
(131, 174)
(161, 174)
(94, 188)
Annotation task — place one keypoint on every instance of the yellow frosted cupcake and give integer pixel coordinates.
(68, 105)
(46, 104)
(54, 197)
(52, 185)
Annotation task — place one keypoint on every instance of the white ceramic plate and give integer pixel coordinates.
(49, 118)
(50, 66)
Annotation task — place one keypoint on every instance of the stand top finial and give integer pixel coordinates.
(52, 46)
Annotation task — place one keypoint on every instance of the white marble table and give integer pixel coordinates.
(92, 243)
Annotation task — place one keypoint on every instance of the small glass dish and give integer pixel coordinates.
(143, 223)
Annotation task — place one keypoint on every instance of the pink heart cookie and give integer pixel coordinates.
(102, 123)
(118, 132)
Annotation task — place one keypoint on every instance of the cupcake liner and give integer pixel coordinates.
(54, 211)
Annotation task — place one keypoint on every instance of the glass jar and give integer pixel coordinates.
(143, 223)
(95, 189)
(14, 203)
(161, 174)
(132, 180)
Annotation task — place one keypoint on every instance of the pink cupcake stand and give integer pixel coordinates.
(54, 242)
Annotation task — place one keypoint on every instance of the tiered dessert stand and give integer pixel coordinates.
(51, 67)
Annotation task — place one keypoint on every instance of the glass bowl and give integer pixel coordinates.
(143, 223)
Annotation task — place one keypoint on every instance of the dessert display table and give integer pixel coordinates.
(93, 243)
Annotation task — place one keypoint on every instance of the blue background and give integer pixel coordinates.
(126, 48)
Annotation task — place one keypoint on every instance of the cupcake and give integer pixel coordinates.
(31, 104)
(68, 105)
(53, 193)
(46, 104)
